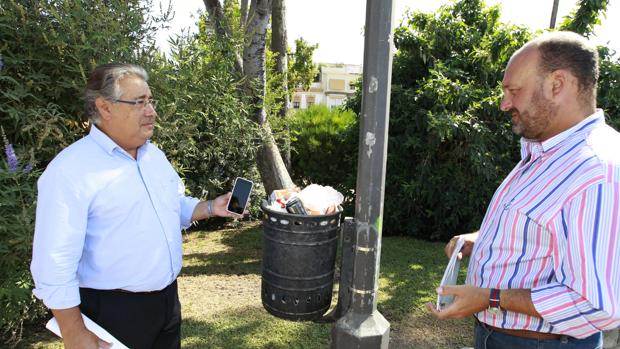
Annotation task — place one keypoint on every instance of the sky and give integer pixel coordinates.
(336, 25)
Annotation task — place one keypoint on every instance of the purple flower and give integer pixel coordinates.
(28, 167)
(11, 157)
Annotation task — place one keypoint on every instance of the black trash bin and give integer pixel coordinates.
(299, 254)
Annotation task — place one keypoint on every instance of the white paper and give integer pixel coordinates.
(450, 275)
(52, 325)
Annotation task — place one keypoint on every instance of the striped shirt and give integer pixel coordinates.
(553, 227)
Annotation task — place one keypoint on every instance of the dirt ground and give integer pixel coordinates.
(419, 330)
(233, 286)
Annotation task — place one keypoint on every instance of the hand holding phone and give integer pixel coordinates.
(240, 196)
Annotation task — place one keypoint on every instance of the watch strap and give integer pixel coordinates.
(494, 299)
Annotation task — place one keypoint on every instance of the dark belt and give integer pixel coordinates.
(523, 333)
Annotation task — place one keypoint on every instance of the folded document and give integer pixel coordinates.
(450, 275)
(52, 325)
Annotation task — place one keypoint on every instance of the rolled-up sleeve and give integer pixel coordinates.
(60, 229)
(586, 297)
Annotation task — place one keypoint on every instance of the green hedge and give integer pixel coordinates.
(324, 149)
(17, 204)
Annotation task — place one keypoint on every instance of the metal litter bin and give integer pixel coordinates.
(299, 254)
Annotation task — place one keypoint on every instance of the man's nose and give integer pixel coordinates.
(150, 110)
(506, 104)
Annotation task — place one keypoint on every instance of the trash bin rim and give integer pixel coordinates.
(264, 208)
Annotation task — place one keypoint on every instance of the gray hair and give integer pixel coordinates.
(104, 82)
(572, 52)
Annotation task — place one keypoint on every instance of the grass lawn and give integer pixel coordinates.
(220, 294)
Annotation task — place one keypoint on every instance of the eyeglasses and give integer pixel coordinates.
(142, 102)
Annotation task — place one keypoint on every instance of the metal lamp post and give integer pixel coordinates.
(362, 326)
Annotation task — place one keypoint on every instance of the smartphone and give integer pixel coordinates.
(240, 195)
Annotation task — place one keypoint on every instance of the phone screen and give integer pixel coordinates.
(240, 195)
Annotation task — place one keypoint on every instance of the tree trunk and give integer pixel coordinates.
(254, 57)
(274, 174)
(279, 46)
(243, 18)
(270, 164)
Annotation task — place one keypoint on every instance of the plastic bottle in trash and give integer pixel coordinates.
(295, 206)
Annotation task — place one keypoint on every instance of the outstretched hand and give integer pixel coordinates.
(219, 207)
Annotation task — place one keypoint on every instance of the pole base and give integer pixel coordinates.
(361, 331)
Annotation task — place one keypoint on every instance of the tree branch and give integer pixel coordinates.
(216, 13)
(243, 20)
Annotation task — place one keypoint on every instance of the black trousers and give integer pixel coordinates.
(141, 320)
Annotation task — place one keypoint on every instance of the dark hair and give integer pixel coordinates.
(103, 82)
(570, 51)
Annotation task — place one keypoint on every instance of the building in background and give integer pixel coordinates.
(334, 83)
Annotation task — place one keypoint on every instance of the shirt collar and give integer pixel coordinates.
(106, 143)
(536, 148)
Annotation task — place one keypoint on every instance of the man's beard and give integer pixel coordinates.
(532, 123)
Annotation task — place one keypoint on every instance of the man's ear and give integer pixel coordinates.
(560, 81)
(103, 106)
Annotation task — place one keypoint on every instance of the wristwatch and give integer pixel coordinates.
(494, 307)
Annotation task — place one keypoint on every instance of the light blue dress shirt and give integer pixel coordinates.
(105, 220)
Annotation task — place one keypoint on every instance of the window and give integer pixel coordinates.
(336, 84)
(296, 105)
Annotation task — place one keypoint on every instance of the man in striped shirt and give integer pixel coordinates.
(544, 270)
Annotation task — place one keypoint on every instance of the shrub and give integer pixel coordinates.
(203, 125)
(449, 145)
(608, 92)
(324, 143)
(49, 48)
(17, 203)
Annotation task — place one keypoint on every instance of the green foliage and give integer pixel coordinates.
(301, 68)
(324, 146)
(48, 49)
(608, 93)
(274, 92)
(585, 17)
(17, 203)
(449, 145)
(203, 125)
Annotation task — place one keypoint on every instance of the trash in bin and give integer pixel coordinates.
(320, 200)
(294, 205)
(312, 200)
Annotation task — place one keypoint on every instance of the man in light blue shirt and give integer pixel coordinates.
(108, 224)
